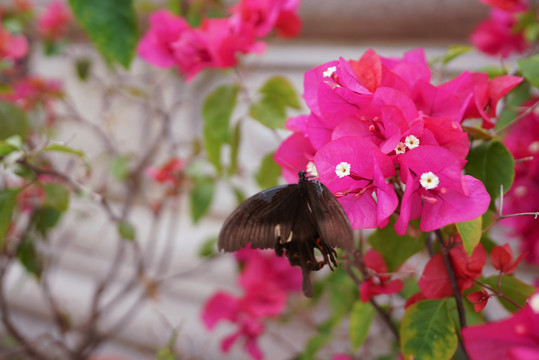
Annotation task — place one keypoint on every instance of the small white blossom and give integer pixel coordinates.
(343, 169)
(429, 180)
(411, 142)
(534, 147)
(311, 169)
(400, 148)
(534, 303)
(330, 70)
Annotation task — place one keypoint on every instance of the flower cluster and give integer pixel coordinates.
(172, 42)
(498, 35)
(53, 23)
(379, 281)
(381, 134)
(12, 46)
(266, 280)
(522, 140)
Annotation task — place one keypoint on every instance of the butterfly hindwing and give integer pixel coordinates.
(329, 216)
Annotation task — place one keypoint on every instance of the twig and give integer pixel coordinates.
(452, 279)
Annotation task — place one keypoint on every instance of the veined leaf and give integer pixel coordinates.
(360, 322)
(470, 232)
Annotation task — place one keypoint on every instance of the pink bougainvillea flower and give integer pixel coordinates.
(355, 171)
(479, 299)
(496, 35)
(435, 283)
(342, 357)
(514, 338)
(261, 16)
(156, 45)
(12, 47)
(508, 5)
(223, 306)
(437, 191)
(265, 267)
(501, 258)
(169, 173)
(413, 68)
(53, 23)
(379, 281)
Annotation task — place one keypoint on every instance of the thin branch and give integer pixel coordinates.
(452, 279)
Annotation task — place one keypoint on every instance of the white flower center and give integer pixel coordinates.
(521, 191)
(429, 180)
(330, 70)
(311, 169)
(400, 148)
(534, 147)
(534, 303)
(411, 142)
(343, 169)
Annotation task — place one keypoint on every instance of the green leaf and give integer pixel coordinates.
(82, 68)
(513, 100)
(427, 331)
(270, 111)
(13, 121)
(511, 287)
(269, 172)
(360, 322)
(529, 67)
(56, 196)
(45, 218)
(239, 194)
(64, 149)
(208, 249)
(454, 51)
(280, 87)
(216, 112)
(235, 139)
(120, 167)
(110, 25)
(126, 230)
(470, 232)
(29, 257)
(8, 201)
(395, 249)
(494, 165)
(201, 197)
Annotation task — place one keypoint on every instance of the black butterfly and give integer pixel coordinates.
(291, 219)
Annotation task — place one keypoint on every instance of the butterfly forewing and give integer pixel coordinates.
(329, 217)
(255, 220)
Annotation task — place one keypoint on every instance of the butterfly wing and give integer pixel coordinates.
(255, 220)
(330, 218)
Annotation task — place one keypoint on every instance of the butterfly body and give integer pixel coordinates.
(293, 220)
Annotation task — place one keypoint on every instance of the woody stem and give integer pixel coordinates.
(452, 279)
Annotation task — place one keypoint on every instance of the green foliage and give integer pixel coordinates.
(8, 200)
(235, 139)
(119, 167)
(454, 51)
(360, 322)
(45, 218)
(470, 232)
(529, 67)
(56, 196)
(513, 100)
(29, 257)
(395, 249)
(111, 26)
(216, 111)
(126, 230)
(428, 332)
(13, 121)
(83, 67)
(208, 249)
(201, 197)
(277, 95)
(268, 173)
(494, 165)
(511, 287)
(63, 149)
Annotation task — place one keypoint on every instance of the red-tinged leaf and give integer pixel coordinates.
(417, 297)
(479, 299)
(368, 70)
(374, 260)
(501, 256)
(510, 269)
(468, 267)
(434, 282)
